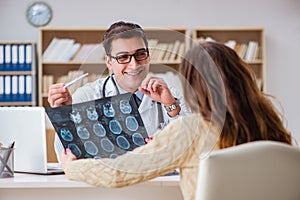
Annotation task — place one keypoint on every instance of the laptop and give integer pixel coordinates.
(26, 127)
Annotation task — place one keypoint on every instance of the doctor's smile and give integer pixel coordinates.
(134, 73)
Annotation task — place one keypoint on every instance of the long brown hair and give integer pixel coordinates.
(249, 115)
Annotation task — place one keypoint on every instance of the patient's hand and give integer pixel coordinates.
(148, 139)
(66, 158)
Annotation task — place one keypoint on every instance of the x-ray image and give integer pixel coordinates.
(103, 128)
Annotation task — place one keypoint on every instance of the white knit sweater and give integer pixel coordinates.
(178, 145)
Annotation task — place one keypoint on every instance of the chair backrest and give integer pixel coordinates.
(263, 170)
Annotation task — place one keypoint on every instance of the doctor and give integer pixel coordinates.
(128, 60)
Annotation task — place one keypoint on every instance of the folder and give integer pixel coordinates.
(21, 88)
(1, 88)
(14, 58)
(1, 57)
(7, 88)
(21, 59)
(14, 88)
(7, 58)
(28, 59)
(28, 88)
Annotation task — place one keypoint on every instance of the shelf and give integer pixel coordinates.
(236, 37)
(18, 75)
(17, 72)
(17, 104)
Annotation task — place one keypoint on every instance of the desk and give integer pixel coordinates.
(56, 187)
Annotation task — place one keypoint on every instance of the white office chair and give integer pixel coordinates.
(262, 170)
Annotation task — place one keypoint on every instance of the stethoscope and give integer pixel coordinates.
(158, 104)
(114, 83)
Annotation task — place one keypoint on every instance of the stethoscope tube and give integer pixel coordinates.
(105, 83)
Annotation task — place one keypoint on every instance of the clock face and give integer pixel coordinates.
(39, 14)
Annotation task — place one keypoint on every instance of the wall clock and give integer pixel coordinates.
(39, 14)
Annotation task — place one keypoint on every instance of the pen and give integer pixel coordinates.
(75, 80)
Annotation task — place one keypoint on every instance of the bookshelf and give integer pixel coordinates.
(248, 42)
(167, 46)
(18, 75)
(53, 67)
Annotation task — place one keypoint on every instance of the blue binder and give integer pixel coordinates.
(1, 57)
(21, 87)
(1, 88)
(28, 57)
(21, 57)
(28, 88)
(7, 57)
(7, 88)
(14, 58)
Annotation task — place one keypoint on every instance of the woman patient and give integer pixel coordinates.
(229, 109)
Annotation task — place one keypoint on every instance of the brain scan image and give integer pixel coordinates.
(125, 107)
(102, 128)
(108, 110)
(115, 127)
(58, 117)
(113, 155)
(83, 133)
(123, 142)
(92, 113)
(99, 130)
(91, 148)
(131, 123)
(107, 145)
(75, 116)
(138, 139)
(66, 135)
(75, 149)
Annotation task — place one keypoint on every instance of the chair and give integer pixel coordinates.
(262, 170)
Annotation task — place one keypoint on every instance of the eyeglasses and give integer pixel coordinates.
(139, 55)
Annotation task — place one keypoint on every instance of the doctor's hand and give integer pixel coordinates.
(157, 89)
(66, 157)
(59, 96)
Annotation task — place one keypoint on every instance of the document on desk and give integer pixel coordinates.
(103, 128)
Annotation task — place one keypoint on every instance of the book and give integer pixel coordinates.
(152, 46)
(252, 48)
(161, 50)
(103, 128)
(168, 52)
(174, 50)
(60, 50)
(231, 44)
(242, 50)
(90, 53)
(49, 50)
(181, 52)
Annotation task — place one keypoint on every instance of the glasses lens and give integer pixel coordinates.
(123, 58)
(141, 55)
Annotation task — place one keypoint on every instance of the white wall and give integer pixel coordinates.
(281, 19)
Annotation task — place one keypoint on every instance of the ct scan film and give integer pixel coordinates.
(103, 128)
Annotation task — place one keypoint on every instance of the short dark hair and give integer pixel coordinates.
(122, 29)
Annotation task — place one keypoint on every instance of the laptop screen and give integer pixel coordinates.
(25, 126)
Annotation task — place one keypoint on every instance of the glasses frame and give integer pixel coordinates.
(130, 56)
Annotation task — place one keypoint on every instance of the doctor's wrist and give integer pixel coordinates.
(174, 108)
